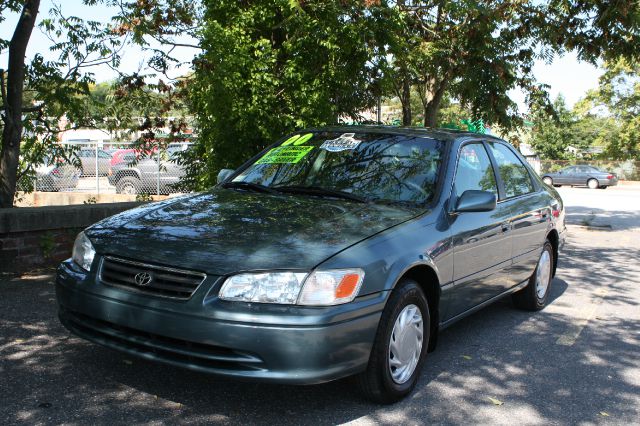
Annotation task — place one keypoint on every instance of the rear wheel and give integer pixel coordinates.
(534, 296)
(128, 185)
(547, 180)
(400, 347)
(593, 183)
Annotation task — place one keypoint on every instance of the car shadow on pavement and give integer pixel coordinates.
(499, 352)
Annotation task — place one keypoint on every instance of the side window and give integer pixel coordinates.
(513, 173)
(475, 170)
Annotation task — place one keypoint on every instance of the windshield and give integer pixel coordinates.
(370, 166)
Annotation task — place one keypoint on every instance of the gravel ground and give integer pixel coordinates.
(575, 362)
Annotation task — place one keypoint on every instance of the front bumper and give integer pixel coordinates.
(283, 344)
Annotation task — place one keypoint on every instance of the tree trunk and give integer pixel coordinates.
(431, 100)
(405, 100)
(12, 103)
(431, 111)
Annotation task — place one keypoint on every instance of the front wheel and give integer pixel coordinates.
(534, 296)
(593, 183)
(128, 185)
(547, 180)
(400, 346)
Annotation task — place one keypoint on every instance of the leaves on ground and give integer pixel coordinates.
(126, 361)
(604, 414)
(466, 357)
(495, 401)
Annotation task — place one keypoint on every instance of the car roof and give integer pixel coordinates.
(435, 133)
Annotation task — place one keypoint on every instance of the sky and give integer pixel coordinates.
(566, 75)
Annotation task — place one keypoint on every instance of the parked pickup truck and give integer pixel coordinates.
(144, 176)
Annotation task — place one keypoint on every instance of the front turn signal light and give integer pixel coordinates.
(331, 287)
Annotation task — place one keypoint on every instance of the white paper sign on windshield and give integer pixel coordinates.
(344, 142)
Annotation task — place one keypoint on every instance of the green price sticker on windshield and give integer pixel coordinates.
(285, 155)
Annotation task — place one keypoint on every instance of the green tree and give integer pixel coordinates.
(552, 132)
(11, 88)
(595, 29)
(618, 94)
(474, 51)
(270, 67)
(40, 96)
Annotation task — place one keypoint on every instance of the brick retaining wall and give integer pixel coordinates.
(33, 237)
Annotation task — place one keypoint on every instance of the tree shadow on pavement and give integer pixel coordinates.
(616, 220)
(499, 352)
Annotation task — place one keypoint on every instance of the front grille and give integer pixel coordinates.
(149, 279)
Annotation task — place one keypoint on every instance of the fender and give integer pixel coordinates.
(398, 271)
(127, 172)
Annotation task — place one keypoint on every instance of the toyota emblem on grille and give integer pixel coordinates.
(143, 279)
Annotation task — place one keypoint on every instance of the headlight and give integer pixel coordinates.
(268, 287)
(83, 251)
(320, 288)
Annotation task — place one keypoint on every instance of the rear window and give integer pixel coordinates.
(513, 173)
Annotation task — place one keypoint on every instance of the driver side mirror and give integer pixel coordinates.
(473, 200)
(224, 174)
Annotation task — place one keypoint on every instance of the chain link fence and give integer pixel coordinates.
(625, 170)
(112, 168)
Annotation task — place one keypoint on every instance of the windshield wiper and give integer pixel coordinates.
(316, 190)
(250, 186)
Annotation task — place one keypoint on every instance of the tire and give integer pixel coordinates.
(128, 185)
(381, 382)
(593, 183)
(534, 296)
(547, 180)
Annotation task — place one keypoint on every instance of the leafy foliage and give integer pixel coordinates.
(607, 118)
(596, 29)
(270, 67)
(474, 51)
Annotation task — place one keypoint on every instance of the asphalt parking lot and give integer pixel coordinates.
(575, 362)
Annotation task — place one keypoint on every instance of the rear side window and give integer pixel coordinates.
(474, 170)
(513, 173)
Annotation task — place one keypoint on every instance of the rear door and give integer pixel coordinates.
(481, 243)
(530, 215)
(565, 176)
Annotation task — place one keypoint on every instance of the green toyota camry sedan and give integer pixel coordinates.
(336, 251)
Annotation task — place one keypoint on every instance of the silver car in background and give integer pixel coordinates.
(590, 176)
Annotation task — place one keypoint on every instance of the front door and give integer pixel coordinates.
(481, 240)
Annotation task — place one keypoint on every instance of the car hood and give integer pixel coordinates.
(225, 231)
